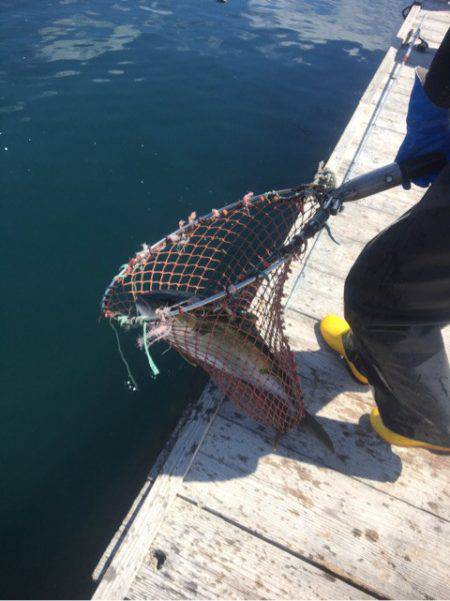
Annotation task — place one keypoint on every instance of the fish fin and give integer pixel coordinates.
(316, 428)
(276, 440)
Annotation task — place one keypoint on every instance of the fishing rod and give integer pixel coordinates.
(393, 76)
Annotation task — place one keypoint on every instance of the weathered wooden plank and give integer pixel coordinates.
(392, 131)
(318, 296)
(394, 202)
(320, 288)
(381, 147)
(126, 560)
(401, 473)
(331, 259)
(233, 564)
(352, 529)
(377, 86)
(390, 120)
(378, 149)
(359, 222)
(391, 117)
(437, 21)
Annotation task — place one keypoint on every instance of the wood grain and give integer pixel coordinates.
(233, 564)
(348, 527)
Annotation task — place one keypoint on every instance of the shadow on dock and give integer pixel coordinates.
(359, 451)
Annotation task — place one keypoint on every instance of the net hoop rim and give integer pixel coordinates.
(232, 205)
(186, 306)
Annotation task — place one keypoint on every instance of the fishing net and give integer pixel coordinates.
(213, 290)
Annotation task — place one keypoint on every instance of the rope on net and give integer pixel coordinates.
(131, 382)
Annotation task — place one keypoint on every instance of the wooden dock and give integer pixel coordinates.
(223, 516)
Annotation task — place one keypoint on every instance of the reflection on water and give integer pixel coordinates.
(12, 108)
(77, 38)
(87, 35)
(66, 73)
(368, 24)
(289, 24)
(78, 31)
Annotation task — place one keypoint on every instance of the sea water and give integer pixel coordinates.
(117, 119)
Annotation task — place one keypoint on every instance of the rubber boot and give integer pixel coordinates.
(333, 328)
(397, 439)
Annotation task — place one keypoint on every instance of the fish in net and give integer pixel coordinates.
(213, 290)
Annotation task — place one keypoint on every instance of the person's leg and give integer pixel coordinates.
(409, 371)
(397, 297)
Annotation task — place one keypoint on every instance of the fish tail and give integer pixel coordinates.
(316, 428)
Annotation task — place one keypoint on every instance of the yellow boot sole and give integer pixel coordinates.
(397, 439)
(333, 328)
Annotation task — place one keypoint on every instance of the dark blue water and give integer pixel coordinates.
(117, 119)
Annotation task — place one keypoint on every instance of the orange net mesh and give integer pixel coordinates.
(214, 291)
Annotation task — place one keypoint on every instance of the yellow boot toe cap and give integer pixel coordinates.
(332, 328)
(397, 439)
